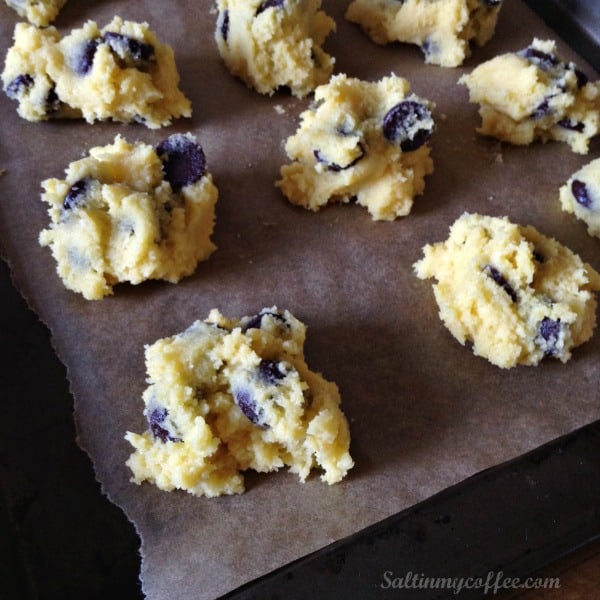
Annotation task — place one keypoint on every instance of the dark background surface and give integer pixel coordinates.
(61, 538)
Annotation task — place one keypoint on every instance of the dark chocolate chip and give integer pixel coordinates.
(244, 399)
(582, 78)
(269, 372)
(76, 194)
(269, 4)
(550, 331)
(85, 57)
(543, 60)
(156, 419)
(571, 125)
(581, 193)
(335, 167)
(494, 274)
(255, 322)
(53, 102)
(400, 122)
(134, 53)
(431, 48)
(19, 84)
(223, 24)
(182, 159)
(542, 110)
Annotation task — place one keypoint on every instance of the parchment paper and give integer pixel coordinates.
(424, 412)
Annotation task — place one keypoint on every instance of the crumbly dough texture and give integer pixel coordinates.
(271, 44)
(38, 12)
(228, 395)
(581, 196)
(360, 140)
(515, 294)
(121, 73)
(443, 29)
(534, 94)
(120, 215)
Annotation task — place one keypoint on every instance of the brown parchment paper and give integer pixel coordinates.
(424, 412)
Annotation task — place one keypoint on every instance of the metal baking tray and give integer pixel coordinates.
(509, 521)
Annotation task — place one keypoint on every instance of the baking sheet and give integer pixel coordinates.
(424, 413)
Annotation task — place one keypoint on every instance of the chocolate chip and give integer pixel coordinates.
(269, 372)
(571, 125)
(331, 166)
(428, 47)
(581, 193)
(408, 124)
(491, 2)
(542, 110)
(84, 59)
(582, 78)
(255, 322)
(19, 84)
(543, 60)
(494, 274)
(53, 102)
(549, 332)
(132, 52)
(183, 160)
(76, 194)
(156, 420)
(244, 399)
(269, 4)
(223, 24)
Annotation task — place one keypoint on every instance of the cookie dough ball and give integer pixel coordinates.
(129, 213)
(275, 43)
(25, 77)
(120, 73)
(581, 196)
(360, 140)
(513, 293)
(443, 29)
(534, 94)
(228, 395)
(38, 12)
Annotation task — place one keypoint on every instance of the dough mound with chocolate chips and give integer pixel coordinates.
(228, 395)
(121, 73)
(515, 294)
(534, 94)
(129, 212)
(581, 196)
(39, 12)
(360, 140)
(270, 44)
(445, 30)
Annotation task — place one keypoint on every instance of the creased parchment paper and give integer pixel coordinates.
(424, 412)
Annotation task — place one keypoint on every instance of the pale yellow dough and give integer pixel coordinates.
(443, 29)
(581, 196)
(121, 72)
(119, 216)
(360, 140)
(534, 94)
(515, 294)
(270, 45)
(38, 12)
(228, 395)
